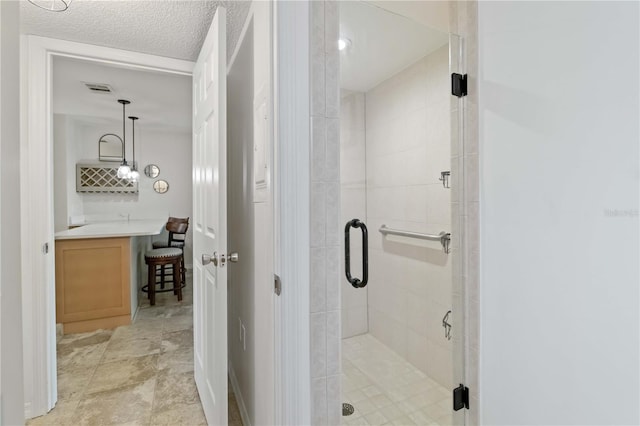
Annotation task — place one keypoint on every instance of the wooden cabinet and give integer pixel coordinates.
(93, 283)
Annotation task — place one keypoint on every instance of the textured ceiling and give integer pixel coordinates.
(170, 28)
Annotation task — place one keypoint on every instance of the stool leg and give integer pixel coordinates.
(162, 277)
(182, 268)
(177, 285)
(173, 275)
(151, 287)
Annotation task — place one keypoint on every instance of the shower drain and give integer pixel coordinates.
(347, 409)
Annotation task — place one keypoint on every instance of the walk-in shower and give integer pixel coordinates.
(395, 155)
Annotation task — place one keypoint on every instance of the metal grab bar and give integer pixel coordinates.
(357, 283)
(443, 237)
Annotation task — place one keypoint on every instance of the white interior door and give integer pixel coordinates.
(210, 221)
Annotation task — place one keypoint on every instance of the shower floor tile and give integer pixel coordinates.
(385, 389)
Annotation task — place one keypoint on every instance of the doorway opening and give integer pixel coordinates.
(38, 152)
(401, 333)
(126, 373)
(107, 375)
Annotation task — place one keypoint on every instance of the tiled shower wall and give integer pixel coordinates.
(353, 203)
(407, 148)
(325, 215)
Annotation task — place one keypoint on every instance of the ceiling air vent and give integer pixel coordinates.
(98, 88)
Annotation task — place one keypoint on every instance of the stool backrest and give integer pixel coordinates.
(177, 228)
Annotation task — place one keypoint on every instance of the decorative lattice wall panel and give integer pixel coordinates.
(100, 178)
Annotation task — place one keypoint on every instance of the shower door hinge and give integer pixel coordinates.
(460, 398)
(459, 85)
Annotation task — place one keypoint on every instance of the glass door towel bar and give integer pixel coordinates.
(443, 237)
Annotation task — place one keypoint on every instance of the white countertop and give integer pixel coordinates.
(131, 228)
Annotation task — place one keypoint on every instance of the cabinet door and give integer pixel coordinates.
(92, 283)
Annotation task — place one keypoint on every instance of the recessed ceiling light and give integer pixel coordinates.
(343, 43)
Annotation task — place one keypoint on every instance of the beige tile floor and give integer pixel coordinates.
(385, 389)
(141, 374)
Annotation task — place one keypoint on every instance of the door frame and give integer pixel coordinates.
(292, 195)
(291, 161)
(36, 194)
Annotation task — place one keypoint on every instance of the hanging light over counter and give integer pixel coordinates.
(134, 175)
(124, 169)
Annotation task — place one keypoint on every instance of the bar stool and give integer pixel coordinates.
(162, 257)
(177, 228)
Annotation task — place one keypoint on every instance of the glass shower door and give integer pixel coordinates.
(402, 333)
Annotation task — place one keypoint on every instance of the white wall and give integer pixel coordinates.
(408, 145)
(264, 240)
(171, 151)
(11, 377)
(251, 297)
(66, 201)
(559, 110)
(241, 224)
(353, 202)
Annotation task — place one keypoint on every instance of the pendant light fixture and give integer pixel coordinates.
(124, 169)
(134, 175)
(52, 5)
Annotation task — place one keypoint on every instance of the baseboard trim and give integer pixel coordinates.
(236, 390)
(27, 411)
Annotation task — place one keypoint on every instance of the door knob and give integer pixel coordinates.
(212, 258)
(208, 258)
(221, 260)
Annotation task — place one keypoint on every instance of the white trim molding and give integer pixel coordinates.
(37, 230)
(292, 195)
(242, 407)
